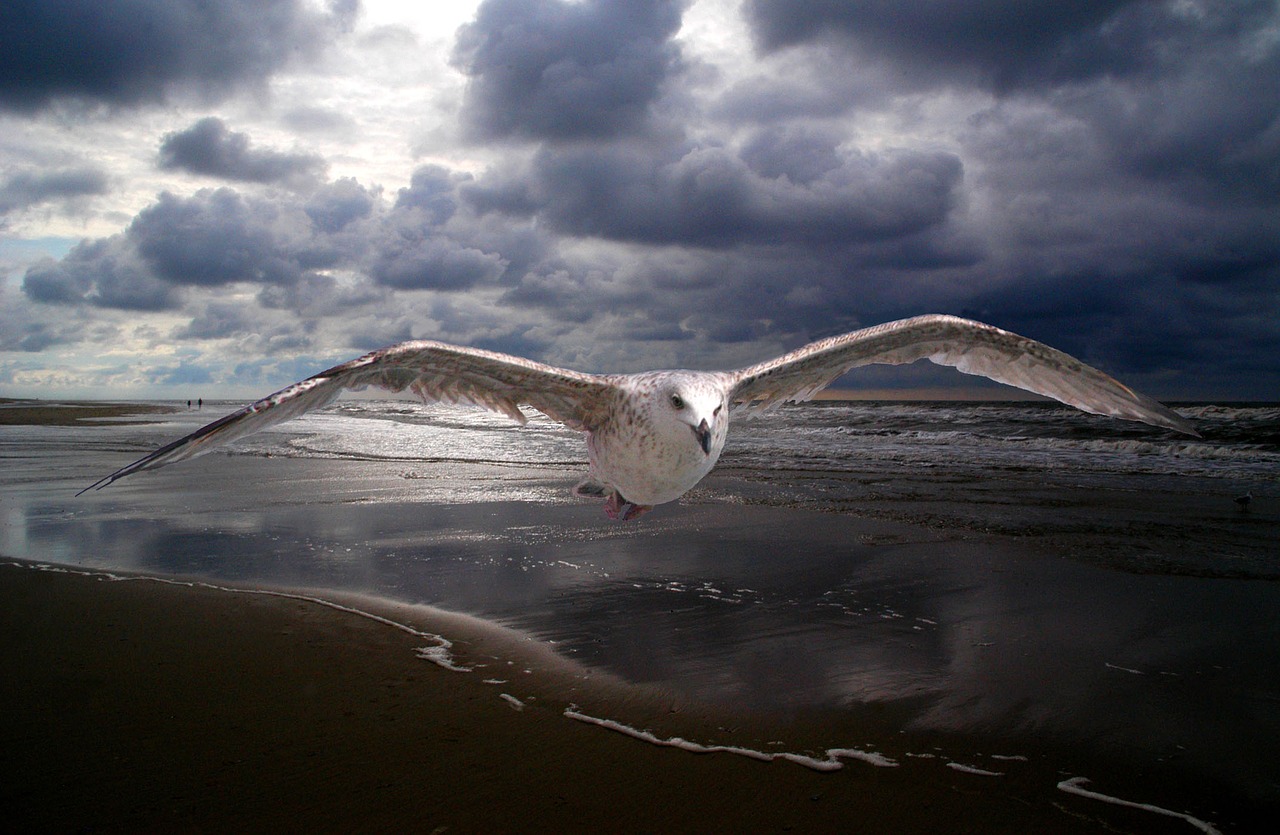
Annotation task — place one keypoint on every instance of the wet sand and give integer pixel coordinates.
(145, 706)
(157, 704)
(43, 413)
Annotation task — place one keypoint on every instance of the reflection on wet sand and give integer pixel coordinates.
(1003, 615)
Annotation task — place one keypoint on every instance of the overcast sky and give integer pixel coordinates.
(218, 197)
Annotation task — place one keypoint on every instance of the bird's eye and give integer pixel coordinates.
(677, 402)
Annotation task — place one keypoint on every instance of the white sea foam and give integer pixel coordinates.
(1074, 786)
(973, 769)
(515, 703)
(868, 757)
(1123, 669)
(440, 655)
(832, 762)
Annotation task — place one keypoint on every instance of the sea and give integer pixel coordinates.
(1020, 570)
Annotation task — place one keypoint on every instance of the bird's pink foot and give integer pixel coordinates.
(618, 508)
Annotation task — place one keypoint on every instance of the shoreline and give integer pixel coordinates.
(20, 412)
(172, 704)
(915, 671)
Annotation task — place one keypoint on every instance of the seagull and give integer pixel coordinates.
(1243, 501)
(652, 436)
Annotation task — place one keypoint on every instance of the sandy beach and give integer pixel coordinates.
(15, 412)
(135, 705)
(224, 653)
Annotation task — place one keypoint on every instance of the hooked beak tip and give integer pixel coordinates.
(703, 433)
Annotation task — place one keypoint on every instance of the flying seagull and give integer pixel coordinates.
(652, 436)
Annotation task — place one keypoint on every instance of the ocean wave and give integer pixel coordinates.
(966, 439)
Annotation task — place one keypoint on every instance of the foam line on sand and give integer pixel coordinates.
(832, 762)
(1075, 785)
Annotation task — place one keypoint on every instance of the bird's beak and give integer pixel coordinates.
(703, 433)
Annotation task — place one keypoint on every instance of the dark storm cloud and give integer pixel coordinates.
(336, 205)
(416, 250)
(209, 148)
(213, 238)
(433, 189)
(318, 295)
(1186, 92)
(801, 153)
(711, 197)
(804, 85)
(548, 69)
(19, 331)
(1101, 176)
(1184, 129)
(132, 51)
(105, 273)
(29, 337)
(718, 296)
(408, 260)
(218, 320)
(218, 237)
(30, 188)
(1126, 176)
(1006, 44)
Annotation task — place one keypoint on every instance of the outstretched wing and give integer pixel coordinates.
(434, 371)
(971, 347)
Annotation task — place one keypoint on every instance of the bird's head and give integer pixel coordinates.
(690, 408)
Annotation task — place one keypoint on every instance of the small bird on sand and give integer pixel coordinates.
(1243, 501)
(652, 436)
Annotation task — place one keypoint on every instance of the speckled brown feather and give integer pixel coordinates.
(434, 371)
(971, 347)
(617, 410)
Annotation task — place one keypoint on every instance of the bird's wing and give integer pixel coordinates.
(434, 371)
(971, 347)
